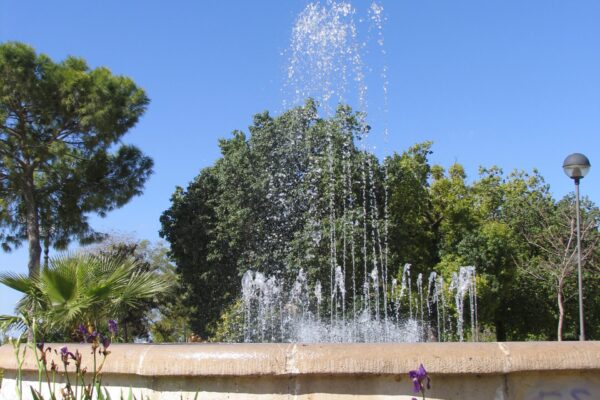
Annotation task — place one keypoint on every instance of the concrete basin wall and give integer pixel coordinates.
(459, 371)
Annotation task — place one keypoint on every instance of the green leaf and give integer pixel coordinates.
(36, 395)
(99, 391)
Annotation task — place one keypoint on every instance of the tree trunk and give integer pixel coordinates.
(33, 235)
(561, 313)
(33, 227)
(46, 250)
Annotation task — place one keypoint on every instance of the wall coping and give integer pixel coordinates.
(294, 359)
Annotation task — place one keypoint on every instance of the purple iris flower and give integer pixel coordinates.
(91, 337)
(65, 354)
(418, 376)
(83, 331)
(112, 326)
(105, 342)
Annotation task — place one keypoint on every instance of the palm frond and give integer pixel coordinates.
(85, 288)
(58, 284)
(13, 323)
(19, 282)
(143, 286)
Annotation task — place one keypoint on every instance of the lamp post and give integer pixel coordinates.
(576, 166)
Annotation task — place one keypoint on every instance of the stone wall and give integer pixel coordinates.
(459, 371)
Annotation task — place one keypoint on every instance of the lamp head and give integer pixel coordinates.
(576, 166)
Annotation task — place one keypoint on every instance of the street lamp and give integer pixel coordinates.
(576, 166)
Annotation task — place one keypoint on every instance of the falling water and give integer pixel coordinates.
(463, 284)
(362, 299)
(274, 313)
(325, 57)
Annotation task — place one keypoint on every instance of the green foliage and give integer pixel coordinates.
(275, 202)
(209, 277)
(229, 327)
(171, 319)
(277, 183)
(553, 260)
(84, 289)
(413, 223)
(59, 123)
(161, 318)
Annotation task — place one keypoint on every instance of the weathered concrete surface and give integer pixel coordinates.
(461, 371)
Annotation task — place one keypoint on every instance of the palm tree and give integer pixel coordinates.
(86, 288)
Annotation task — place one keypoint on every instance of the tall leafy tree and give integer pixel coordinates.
(59, 123)
(489, 244)
(414, 226)
(275, 202)
(204, 253)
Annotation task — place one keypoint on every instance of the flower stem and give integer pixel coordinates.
(94, 377)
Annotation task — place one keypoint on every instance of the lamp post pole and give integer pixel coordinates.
(579, 278)
(576, 166)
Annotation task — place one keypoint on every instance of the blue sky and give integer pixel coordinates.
(508, 83)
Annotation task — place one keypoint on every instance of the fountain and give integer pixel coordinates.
(274, 313)
(359, 300)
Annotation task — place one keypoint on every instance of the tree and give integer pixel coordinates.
(88, 289)
(280, 199)
(555, 242)
(453, 205)
(204, 256)
(58, 125)
(490, 244)
(413, 223)
(480, 224)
